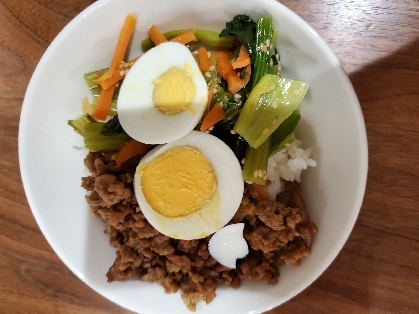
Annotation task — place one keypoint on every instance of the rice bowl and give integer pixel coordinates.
(332, 125)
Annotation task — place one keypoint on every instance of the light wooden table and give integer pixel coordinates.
(377, 271)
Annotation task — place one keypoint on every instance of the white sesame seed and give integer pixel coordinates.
(296, 92)
(212, 67)
(207, 74)
(263, 47)
(268, 43)
(232, 132)
(121, 65)
(260, 173)
(243, 161)
(256, 173)
(237, 96)
(122, 73)
(117, 84)
(211, 128)
(209, 54)
(265, 131)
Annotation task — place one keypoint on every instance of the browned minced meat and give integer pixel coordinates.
(276, 233)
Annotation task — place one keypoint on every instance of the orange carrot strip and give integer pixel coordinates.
(222, 54)
(216, 114)
(185, 38)
(235, 83)
(130, 149)
(156, 36)
(210, 93)
(106, 95)
(118, 75)
(104, 103)
(204, 62)
(121, 46)
(261, 191)
(243, 59)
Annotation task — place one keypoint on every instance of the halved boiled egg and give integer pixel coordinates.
(163, 96)
(189, 188)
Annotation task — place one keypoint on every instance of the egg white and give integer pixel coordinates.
(222, 205)
(136, 111)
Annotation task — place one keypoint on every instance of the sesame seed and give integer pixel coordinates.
(296, 92)
(117, 84)
(265, 131)
(212, 67)
(121, 64)
(275, 120)
(268, 43)
(237, 96)
(256, 173)
(260, 173)
(122, 73)
(207, 74)
(271, 62)
(274, 104)
(232, 132)
(209, 54)
(263, 47)
(277, 57)
(211, 128)
(243, 161)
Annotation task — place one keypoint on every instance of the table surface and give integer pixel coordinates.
(377, 271)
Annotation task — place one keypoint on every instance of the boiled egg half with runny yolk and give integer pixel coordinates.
(189, 188)
(163, 96)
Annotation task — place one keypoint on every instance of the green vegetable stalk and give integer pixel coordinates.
(271, 102)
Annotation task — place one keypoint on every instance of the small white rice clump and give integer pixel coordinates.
(287, 164)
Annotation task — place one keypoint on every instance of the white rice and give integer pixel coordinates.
(287, 164)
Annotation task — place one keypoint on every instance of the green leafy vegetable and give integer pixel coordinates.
(244, 28)
(271, 102)
(79, 123)
(112, 127)
(94, 140)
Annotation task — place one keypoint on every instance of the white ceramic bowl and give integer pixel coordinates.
(51, 167)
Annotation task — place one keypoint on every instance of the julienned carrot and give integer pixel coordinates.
(243, 59)
(118, 75)
(130, 149)
(121, 46)
(204, 62)
(106, 95)
(215, 115)
(261, 191)
(210, 93)
(156, 36)
(222, 54)
(104, 103)
(235, 83)
(185, 38)
(225, 69)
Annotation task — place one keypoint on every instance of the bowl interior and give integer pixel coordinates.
(52, 166)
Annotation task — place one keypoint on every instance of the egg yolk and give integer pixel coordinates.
(178, 182)
(173, 91)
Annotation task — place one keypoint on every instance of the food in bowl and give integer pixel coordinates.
(247, 109)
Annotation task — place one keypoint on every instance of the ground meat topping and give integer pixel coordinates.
(276, 233)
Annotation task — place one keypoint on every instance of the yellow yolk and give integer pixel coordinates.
(179, 182)
(173, 91)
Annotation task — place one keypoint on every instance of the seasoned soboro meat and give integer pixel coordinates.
(276, 233)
